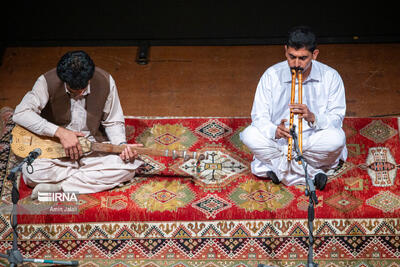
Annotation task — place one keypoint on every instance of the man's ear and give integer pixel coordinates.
(315, 54)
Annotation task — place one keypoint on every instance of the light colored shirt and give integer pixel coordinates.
(27, 113)
(323, 93)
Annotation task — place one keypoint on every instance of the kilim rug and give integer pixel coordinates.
(174, 214)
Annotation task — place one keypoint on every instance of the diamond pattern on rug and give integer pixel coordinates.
(191, 247)
(166, 139)
(167, 136)
(378, 131)
(255, 195)
(213, 130)
(385, 201)
(151, 166)
(211, 205)
(231, 246)
(151, 247)
(344, 202)
(163, 195)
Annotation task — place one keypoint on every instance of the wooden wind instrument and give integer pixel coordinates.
(292, 94)
(291, 120)
(300, 120)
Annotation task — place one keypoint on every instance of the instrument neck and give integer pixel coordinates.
(116, 149)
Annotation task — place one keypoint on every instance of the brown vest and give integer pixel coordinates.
(58, 109)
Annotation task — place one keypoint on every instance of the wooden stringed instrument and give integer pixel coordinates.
(23, 142)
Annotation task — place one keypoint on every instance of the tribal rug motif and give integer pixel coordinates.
(177, 213)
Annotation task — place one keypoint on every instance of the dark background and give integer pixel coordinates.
(180, 22)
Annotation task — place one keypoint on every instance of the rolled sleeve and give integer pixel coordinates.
(27, 113)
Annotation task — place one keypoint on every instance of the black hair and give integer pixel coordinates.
(75, 68)
(302, 37)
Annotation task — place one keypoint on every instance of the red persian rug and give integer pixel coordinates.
(218, 214)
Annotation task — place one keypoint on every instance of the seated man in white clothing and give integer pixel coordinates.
(322, 111)
(76, 99)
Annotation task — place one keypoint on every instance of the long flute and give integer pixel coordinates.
(300, 121)
(293, 92)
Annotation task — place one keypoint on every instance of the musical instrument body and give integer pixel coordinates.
(23, 141)
(299, 76)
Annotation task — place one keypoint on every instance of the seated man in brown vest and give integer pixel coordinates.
(76, 99)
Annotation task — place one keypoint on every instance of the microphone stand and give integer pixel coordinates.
(310, 192)
(313, 200)
(13, 256)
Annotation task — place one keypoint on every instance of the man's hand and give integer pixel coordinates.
(70, 142)
(282, 131)
(303, 112)
(129, 155)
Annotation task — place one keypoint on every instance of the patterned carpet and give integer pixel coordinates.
(220, 214)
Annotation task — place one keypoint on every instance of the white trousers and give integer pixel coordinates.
(322, 151)
(90, 174)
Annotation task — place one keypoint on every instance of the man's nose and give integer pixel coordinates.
(297, 63)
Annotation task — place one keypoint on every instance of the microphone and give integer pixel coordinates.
(33, 155)
(28, 160)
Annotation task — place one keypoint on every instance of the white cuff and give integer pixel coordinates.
(50, 129)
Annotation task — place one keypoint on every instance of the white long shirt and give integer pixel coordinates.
(323, 93)
(27, 113)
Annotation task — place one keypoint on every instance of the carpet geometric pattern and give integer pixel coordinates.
(220, 214)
